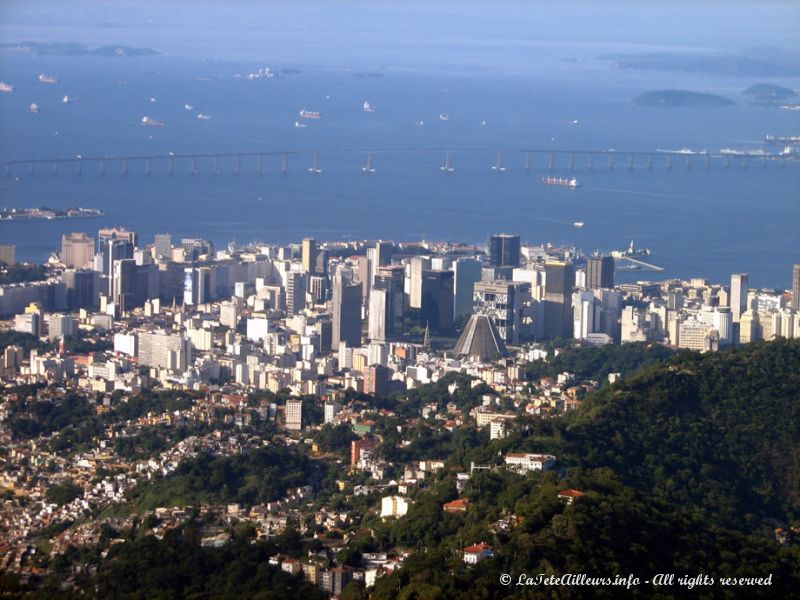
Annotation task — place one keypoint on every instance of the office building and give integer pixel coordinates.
(378, 322)
(346, 309)
(83, 288)
(162, 246)
(295, 292)
(377, 379)
(437, 300)
(558, 317)
(416, 266)
(504, 250)
(309, 256)
(294, 415)
(796, 287)
(77, 250)
(391, 279)
(739, 283)
(123, 284)
(505, 303)
(467, 272)
(60, 326)
(164, 350)
(599, 272)
(197, 286)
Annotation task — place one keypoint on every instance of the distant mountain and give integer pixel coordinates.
(754, 62)
(681, 98)
(72, 49)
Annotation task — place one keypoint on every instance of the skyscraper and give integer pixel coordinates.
(391, 279)
(295, 292)
(796, 287)
(417, 265)
(378, 328)
(77, 250)
(504, 303)
(504, 250)
(467, 274)
(309, 255)
(558, 317)
(346, 309)
(82, 288)
(599, 272)
(123, 284)
(739, 283)
(437, 300)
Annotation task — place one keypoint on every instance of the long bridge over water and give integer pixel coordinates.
(529, 159)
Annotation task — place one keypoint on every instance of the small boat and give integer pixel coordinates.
(203, 117)
(444, 117)
(152, 99)
(34, 107)
(6, 87)
(68, 99)
(44, 78)
(579, 224)
(368, 107)
(300, 125)
(188, 107)
(309, 114)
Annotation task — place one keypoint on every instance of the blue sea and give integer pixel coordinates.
(696, 221)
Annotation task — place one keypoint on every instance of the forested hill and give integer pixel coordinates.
(714, 433)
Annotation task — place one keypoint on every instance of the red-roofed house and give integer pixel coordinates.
(475, 554)
(457, 506)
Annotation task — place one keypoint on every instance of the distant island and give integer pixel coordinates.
(71, 49)
(769, 92)
(753, 62)
(12, 214)
(681, 98)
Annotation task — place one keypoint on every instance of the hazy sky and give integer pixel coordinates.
(400, 32)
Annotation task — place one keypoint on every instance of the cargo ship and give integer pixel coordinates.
(151, 121)
(44, 78)
(309, 114)
(563, 182)
(6, 87)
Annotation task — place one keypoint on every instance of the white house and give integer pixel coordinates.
(520, 461)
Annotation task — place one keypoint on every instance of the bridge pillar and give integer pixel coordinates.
(78, 167)
(285, 164)
(55, 168)
(170, 165)
(528, 162)
(591, 162)
(101, 168)
(147, 166)
(8, 169)
(552, 161)
(630, 162)
(238, 168)
(193, 168)
(688, 162)
(572, 161)
(745, 162)
(259, 164)
(669, 161)
(215, 166)
(610, 162)
(726, 161)
(124, 166)
(708, 162)
(31, 171)
(649, 162)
